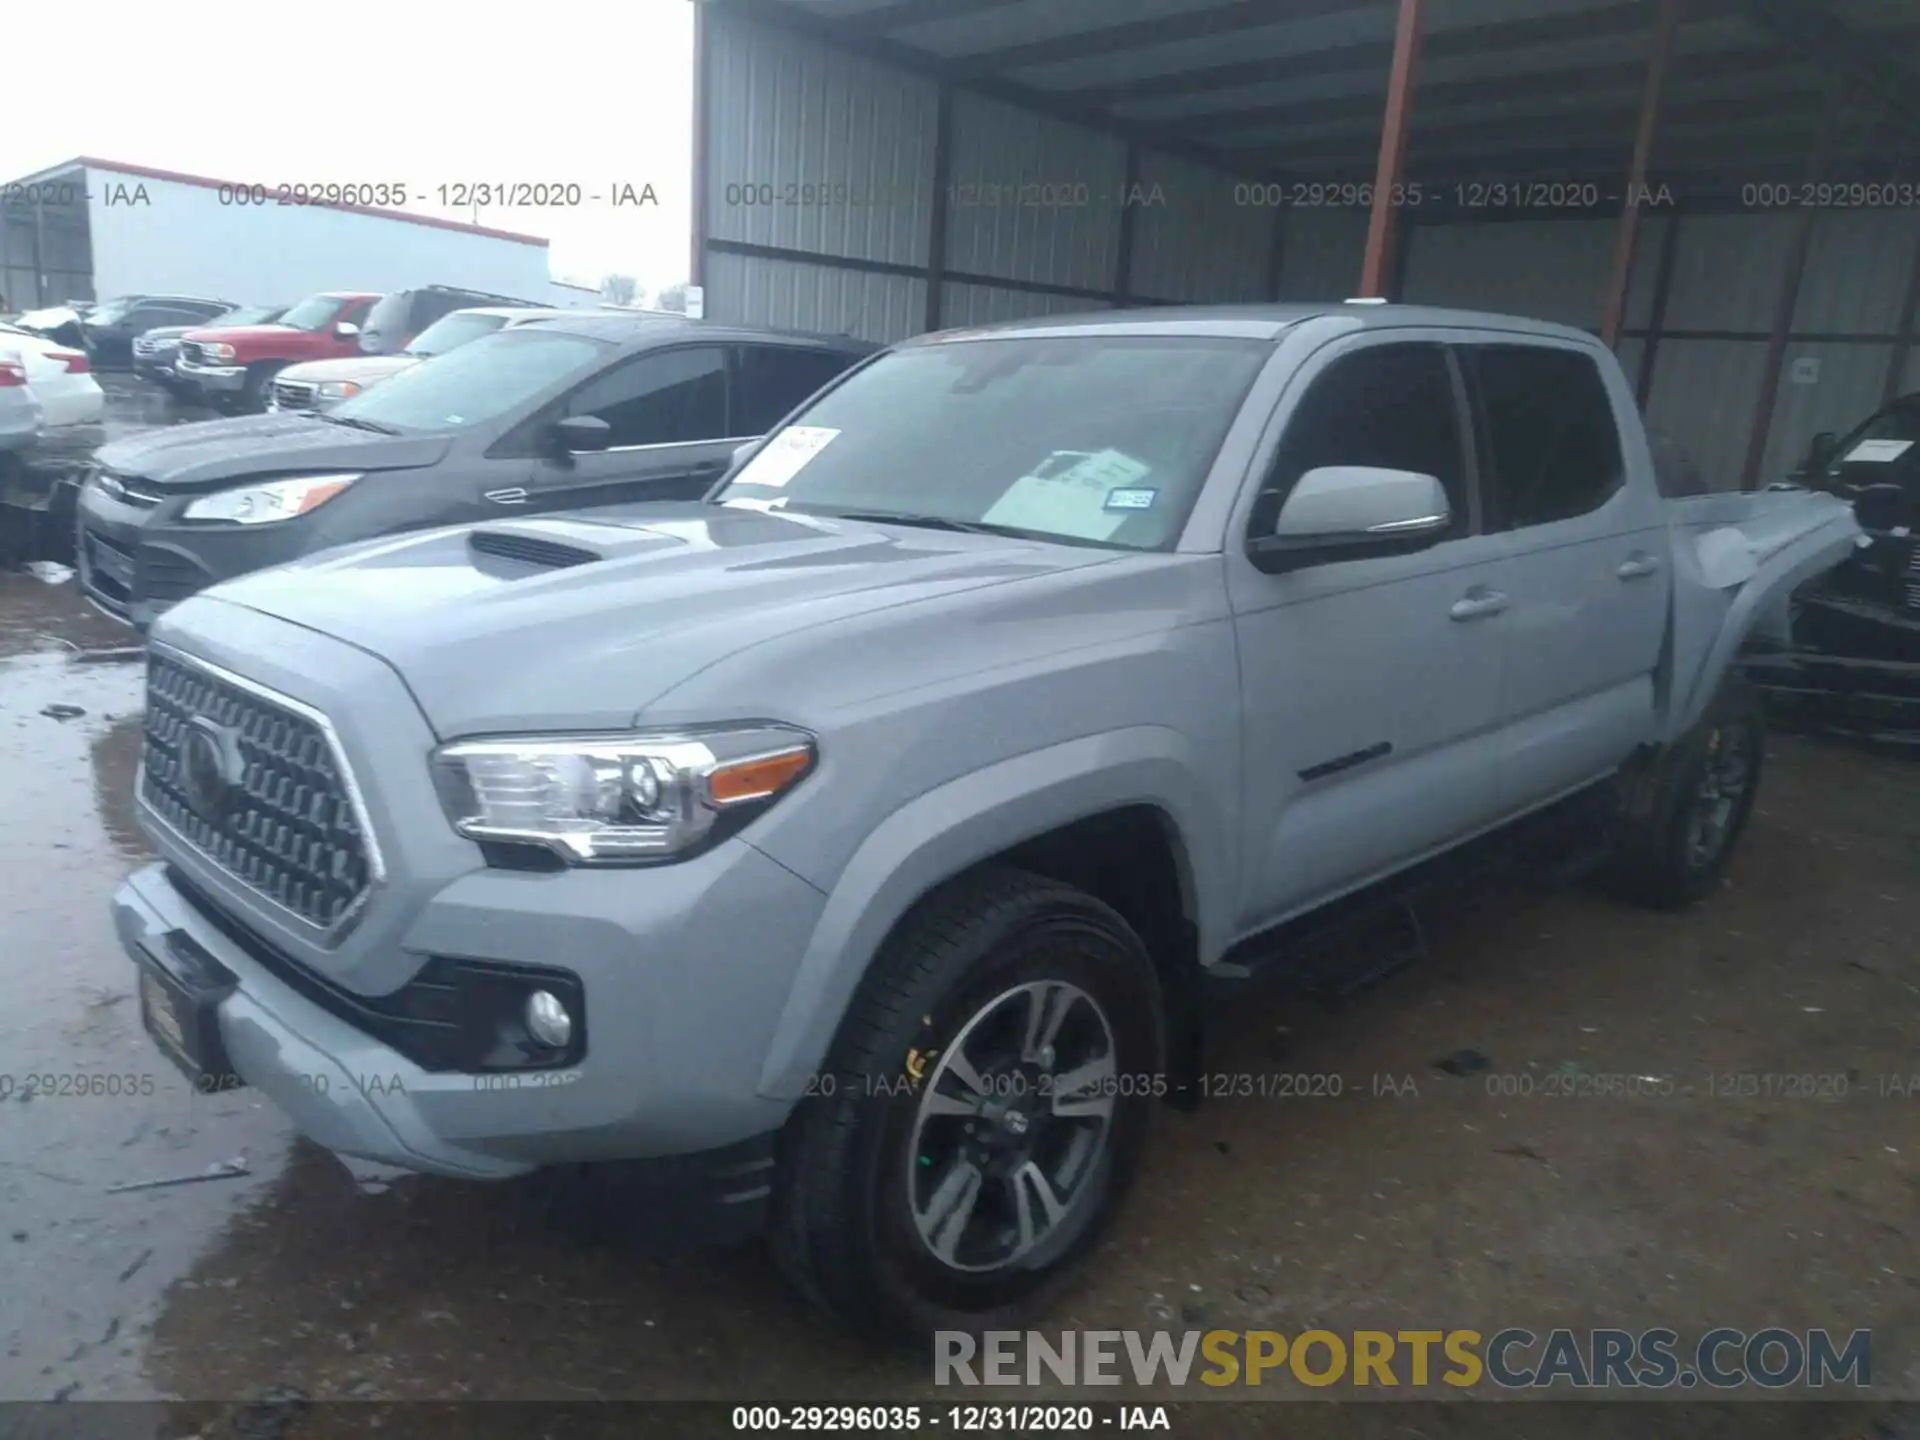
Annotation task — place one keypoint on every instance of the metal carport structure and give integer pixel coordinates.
(1727, 188)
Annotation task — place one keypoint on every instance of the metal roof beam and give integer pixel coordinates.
(1162, 30)
(1373, 56)
(1857, 60)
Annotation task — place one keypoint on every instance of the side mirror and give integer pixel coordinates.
(1882, 507)
(1354, 512)
(1820, 450)
(580, 434)
(346, 330)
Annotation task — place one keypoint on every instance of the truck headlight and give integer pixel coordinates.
(620, 799)
(337, 389)
(219, 350)
(272, 500)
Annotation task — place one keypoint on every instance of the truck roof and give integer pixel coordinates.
(628, 327)
(1252, 322)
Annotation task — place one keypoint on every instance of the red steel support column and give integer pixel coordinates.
(1375, 267)
(1629, 238)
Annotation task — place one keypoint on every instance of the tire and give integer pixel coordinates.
(253, 397)
(1684, 815)
(873, 1238)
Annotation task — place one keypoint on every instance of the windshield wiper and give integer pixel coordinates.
(358, 424)
(927, 522)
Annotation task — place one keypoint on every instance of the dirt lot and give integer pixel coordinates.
(1437, 1201)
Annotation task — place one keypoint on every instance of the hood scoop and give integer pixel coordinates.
(530, 550)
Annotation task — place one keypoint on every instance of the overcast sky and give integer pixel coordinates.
(594, 91)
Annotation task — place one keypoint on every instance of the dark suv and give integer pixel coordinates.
(396, 318)
(108, 331)
(560, 414)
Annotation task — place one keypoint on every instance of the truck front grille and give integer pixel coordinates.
(293, 395)
(190, 350)
(281, 815)
(1913, 575)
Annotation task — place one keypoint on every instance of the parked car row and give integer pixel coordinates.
(45, 387)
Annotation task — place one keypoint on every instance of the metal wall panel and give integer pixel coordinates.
(963, 305)
(1847, 389)
(1857, 271)
(1202, 244)
(1320, 253)
(1727, 272)
(810, 149)
(1033, 198)
(1910, 377)
(822, 298)
(1546, 269)
(1704, 392)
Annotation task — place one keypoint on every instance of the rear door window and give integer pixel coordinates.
(1552, 443)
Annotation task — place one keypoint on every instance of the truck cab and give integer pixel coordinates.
(233, 368)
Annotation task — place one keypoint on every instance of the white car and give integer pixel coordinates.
(60, 377)
(316, 385)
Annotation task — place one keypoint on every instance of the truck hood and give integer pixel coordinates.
(191, 457)
(653, 595)
(348, 367)
(237, 335)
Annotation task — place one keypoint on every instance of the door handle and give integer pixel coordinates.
(1637, 566)
(515, 496)
(1478, 603)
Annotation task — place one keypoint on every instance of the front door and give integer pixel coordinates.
(1370, 687)
(1589, 567)
(667, 411)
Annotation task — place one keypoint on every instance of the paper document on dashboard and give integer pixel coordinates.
(1067, 494)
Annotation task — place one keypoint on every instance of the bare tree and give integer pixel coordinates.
(674, 298)
(619, 289)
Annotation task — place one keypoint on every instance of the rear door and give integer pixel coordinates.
(668, 413)
(1589, 553)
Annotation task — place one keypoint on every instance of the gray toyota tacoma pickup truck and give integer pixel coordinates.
(855, 846)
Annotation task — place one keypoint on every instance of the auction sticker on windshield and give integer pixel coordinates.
(786, 455)
(1066, 494)
(1877, 452)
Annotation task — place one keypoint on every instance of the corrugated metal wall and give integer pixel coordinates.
(820, 180)
(57, 235)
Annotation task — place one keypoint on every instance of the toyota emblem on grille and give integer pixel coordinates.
(211, 767)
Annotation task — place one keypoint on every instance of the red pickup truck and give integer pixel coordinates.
(234, 367)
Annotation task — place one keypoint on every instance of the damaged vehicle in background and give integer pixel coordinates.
(156, 350)
(109, 330)
(233, 367)
(587, 408)
(851, 850)
(58, 377)
(323, 384)
(1850, 661)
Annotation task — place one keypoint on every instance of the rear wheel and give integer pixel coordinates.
(1684, 816)
(981, 1115)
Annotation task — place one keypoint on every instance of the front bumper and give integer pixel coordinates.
(215, 379)
(136, 566)
(677, 989)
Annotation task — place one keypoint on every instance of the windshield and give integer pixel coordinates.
(1894, 428)
(479, 381)
(246, 315)
(109, 311)
(316, 312)
(451, 331)
(1101, 440)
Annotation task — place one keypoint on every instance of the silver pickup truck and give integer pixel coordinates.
(857, 846)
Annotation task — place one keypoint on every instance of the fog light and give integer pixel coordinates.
(547, 1020)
